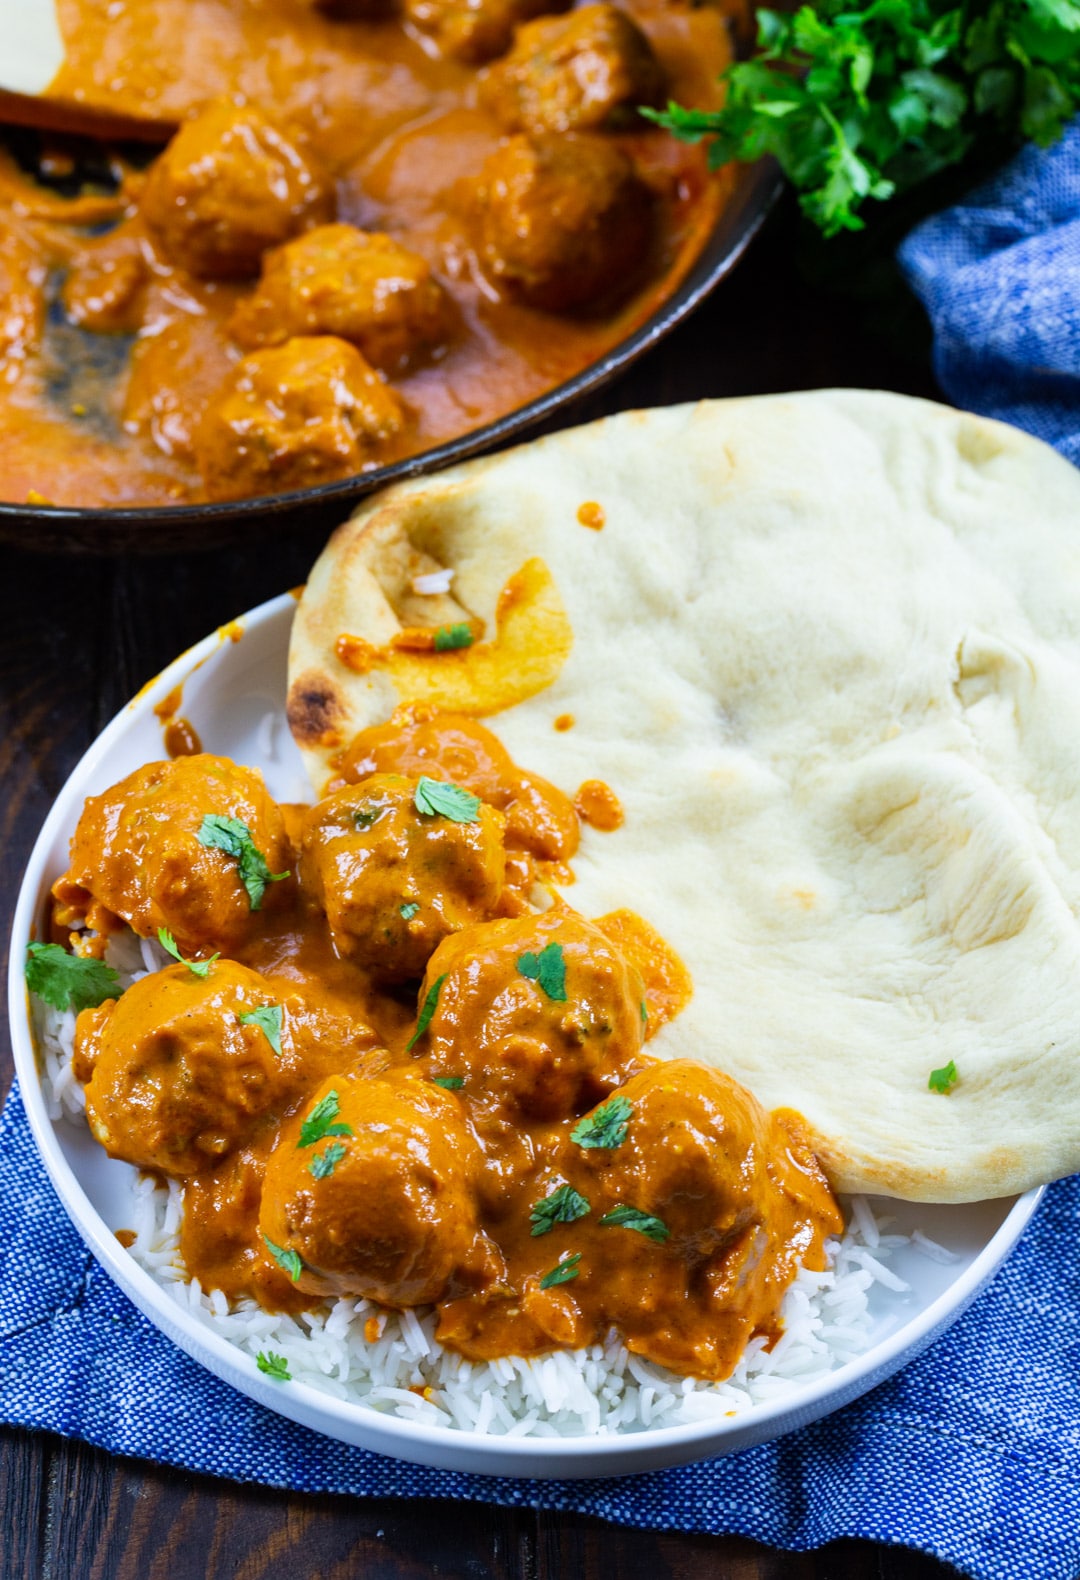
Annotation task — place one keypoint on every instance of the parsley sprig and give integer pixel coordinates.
(450, 637)
(69, 981)
(273, 1365)
(427, 1010)
(440, 798)
(857, 104)
(547, 969)
(945, 1079)
(231, 835)
(268, 1018)
(323, 1121)
(288, 1260)
(323, 1164)
(606, 1126)
(564, 1205)
(198, 968)
(625, 1217)
(562, 1273)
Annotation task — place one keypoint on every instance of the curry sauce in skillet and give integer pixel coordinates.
(369, 232)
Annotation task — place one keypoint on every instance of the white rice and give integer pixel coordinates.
(391, 1362)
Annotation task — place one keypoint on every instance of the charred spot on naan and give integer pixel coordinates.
(315, 710)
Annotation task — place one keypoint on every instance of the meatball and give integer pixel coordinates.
(177, 1076)
(395, 881)
(229, 186)
(563, 221)
(337, 280)
(540, 1016)
(310, 411)
(475, 30)
(137, 854)
(692, 1155)
(371, 1189)
(453, 746)
(586, 70)
(722, 1198)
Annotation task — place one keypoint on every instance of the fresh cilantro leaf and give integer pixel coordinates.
(323, 1164)
(69, 981)
(320, 1122)
(232, 836)
(563, 1272)
(643, 1222)
(450, 1083)
(448, 637)
(565, 1205)
(198, 968)
(409, 910)
(268, 1019)
(858, 103)
(548, 968)
(273, 1365)
(438, 798)
(427, 1010)
(288, 1261)
(943, 1080)
(606, 1126)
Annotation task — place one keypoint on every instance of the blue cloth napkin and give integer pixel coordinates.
(999, 276)
(972, 1453)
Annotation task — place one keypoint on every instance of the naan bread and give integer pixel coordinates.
(826, 651)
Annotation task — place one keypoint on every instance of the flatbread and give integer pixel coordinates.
(826, 651)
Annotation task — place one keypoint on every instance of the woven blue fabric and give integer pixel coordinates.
(999, 276)
(972, 1453)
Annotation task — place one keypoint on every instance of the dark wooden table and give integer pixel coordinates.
(79, 637)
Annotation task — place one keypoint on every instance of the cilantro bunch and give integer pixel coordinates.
(857, 105)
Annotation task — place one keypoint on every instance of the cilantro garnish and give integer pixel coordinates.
(233, 837)
(633, 1218)
(565, 1205)
(859, 101)
(451, 1083)
(288, 1261)
(606, 1126)
(69, 981)
(563, 1272)
(268, 1019)
(448, 637)
(364, 817)
(320, 1122)
(323, 1164)
(198, 968)
(943, 1080)
(273, 1365)
(548, 969)
(409, 910)
(431, 998)
(439, 798)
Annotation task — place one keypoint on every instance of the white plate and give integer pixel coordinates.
(233, 693)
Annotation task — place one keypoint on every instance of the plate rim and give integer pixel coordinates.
(357, 1423)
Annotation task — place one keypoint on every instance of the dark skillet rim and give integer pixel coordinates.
(756, 189)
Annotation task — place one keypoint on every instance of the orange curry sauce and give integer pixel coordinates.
(110, 351)
(400, 1080)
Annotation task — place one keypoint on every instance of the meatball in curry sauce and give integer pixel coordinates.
(444, 209)
(389, 1061)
